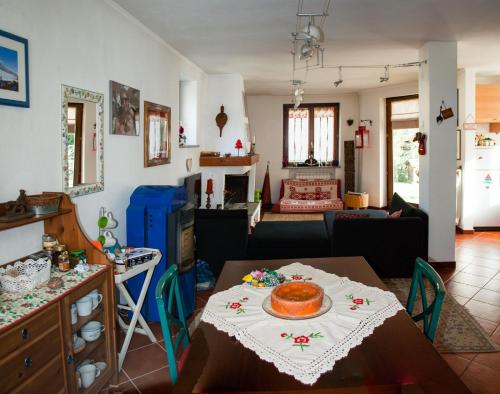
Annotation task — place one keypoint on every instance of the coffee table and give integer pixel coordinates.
(395, 358)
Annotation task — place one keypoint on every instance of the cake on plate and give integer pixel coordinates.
(297, 298)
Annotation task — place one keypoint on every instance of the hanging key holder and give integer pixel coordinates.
(445, 112)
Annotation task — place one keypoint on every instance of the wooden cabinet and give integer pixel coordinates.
(488, 104)
(36, 349)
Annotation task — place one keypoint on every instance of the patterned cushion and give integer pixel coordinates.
(344, 215)
(291, 205)
(303, 189)
(395, 214)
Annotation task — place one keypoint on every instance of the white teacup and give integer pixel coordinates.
(84, 306)
(96, 298)
(88, 373)
(109, 239)
(92, 330)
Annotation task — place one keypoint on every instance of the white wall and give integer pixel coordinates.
(84, 44)
(265, 115)
(188, 111)
(226, 90)
(374, 169)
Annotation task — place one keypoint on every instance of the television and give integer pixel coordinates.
(192, 184)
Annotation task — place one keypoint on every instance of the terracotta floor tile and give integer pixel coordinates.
(493, 284)
(483, 310)
(123, 377)
(496, 336)
(470, 279)
(456, 362)
(487, 325)
(488, 296)
(480, 270)
(144, 360)
(482, 380)
(461, 289)
(491, 360)
(125, 388)
(489, 263)
(461, 300)
(468, 356)
(154, 382)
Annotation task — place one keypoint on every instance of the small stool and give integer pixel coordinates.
(356, 201)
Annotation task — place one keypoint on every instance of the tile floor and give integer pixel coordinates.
(475, 283)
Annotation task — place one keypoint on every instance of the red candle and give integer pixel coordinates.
(210, 186)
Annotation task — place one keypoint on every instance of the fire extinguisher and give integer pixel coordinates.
(358, 138)
(420, 137)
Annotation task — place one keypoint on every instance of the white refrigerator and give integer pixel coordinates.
(487, 185)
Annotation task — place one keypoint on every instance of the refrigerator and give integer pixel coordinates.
(487, 187)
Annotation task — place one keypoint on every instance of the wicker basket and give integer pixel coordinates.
(356, 201)
(25, 275)
(42, 204)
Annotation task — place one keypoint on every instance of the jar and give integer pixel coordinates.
(64, 262)
(57, 250)
(75, 256)
(50, 252)
(49, 241)
(121, 263)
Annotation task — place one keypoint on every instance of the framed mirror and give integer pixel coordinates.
(82, 124)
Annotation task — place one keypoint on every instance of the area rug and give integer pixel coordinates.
(458, 331)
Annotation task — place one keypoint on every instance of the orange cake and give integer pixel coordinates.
(297, 298)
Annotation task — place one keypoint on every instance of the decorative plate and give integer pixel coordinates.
(325, 307)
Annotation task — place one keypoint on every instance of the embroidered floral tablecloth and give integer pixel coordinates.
(302, 348)
(15, 306)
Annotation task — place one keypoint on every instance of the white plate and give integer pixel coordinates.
(325, 307)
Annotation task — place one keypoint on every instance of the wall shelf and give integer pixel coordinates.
(34, 219)
(232, 161)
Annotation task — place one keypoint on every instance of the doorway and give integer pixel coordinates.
(402, 152)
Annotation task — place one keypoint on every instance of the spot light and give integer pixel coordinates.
(385, 78)
(339, 81)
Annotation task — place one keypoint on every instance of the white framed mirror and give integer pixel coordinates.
(82, 125)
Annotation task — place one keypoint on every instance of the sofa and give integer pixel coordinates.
(309, 195)
(390, 245)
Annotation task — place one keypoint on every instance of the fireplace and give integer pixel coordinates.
(236, 189)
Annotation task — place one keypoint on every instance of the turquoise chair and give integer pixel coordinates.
(167, 290)
(430, 313)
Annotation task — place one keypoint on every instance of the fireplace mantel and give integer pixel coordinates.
(232, 161)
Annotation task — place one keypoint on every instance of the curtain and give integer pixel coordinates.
(298, 134)
(404, 114)
(323, 133)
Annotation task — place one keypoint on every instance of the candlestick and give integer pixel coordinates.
(210, 186)
(253, 139)
(208, 202)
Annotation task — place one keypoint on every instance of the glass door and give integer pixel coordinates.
(402, 150)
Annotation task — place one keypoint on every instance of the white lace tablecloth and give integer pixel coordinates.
(302, 348)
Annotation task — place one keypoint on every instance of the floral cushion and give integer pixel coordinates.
(311, 189)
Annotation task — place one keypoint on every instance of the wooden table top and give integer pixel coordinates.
(395, 358)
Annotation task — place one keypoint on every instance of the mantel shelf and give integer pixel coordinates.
(34, 219)
(232, 161)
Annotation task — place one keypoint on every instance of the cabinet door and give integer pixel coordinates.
(101, 349)
(487, 103)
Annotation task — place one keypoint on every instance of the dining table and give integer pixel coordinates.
(395, 358)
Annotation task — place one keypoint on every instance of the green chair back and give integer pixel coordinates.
(430, 313)
(167, 291)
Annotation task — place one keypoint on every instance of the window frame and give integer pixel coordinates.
(336, 132)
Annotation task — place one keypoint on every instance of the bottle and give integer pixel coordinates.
(63, 262)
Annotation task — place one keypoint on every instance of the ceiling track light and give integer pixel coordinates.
(385, 78)
(339, 81)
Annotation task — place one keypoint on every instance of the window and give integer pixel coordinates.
(312, 130)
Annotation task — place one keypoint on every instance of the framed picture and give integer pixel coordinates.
(157, 134)
(14, 81)
(459, 144)
(125, 109)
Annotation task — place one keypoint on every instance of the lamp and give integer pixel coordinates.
(339, 81)
(313, 32)
(385, 78)
(306, 51)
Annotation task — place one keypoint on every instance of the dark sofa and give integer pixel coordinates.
(390, 245)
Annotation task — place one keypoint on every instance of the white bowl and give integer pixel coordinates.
(92, 330)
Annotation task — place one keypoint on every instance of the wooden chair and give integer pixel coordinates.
(167, 290)
(430, 313)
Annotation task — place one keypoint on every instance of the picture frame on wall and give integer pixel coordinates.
(14, 76)
(157, 134)
(125, 109)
